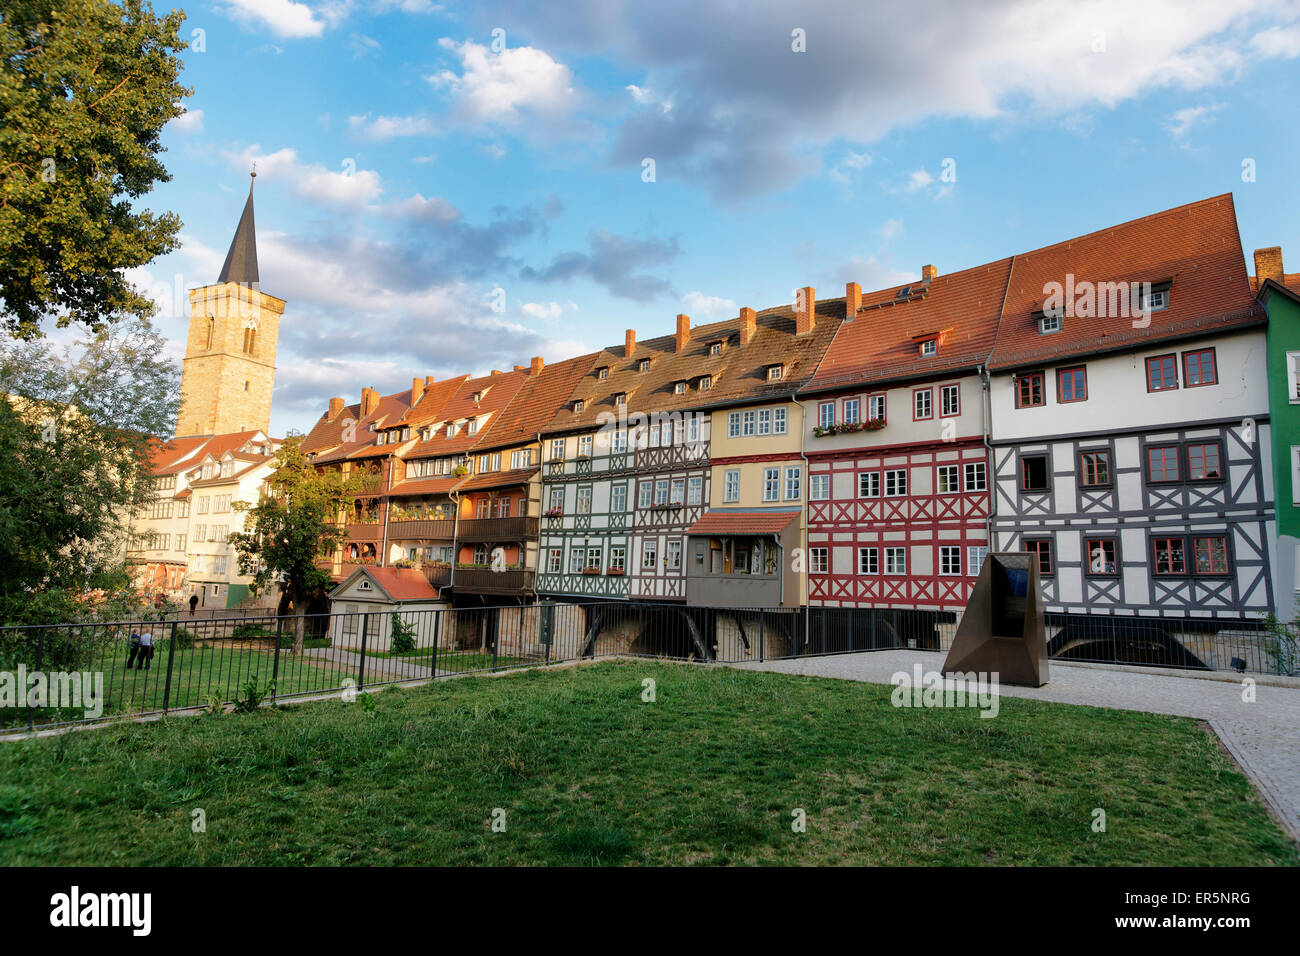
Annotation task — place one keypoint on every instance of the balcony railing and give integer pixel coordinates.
(364, 531)
(487, 581)
(497, 529)
(439, 575)
(432, 528)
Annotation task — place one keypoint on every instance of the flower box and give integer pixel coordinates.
(617, 572)
(591, 570)
(554, 512)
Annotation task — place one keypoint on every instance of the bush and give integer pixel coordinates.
(403, 635)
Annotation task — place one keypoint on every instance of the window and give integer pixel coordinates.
(976, 478)
(896, 483)
(1155, 301)
(584, 501)
(200, 532)
(876, 408)
(895, 560)
(774, 373)
(1162, 373)
(643, 365)
(620, 398)
(673, 555)
(1033, 473)
(778, 421)
(645, 492)
(869, 484)
(695, 491)
(731, 486)
(503, 507)
(1169, 555)
(733, 425)
(1072, 384)
(472, 429)
(950, 559)
(1211, 555)
(1094, 468)
(715, 348)
(484, 508)
(594, 559)
(618, 558)
(793, 478)
(706, 383)
(1199, 368)
(817, 560)
(765, 421)
(556, 500)
(868, 560)
(851, 408)
(1042, 548)
(677, 493)
(576, 557)
(602, 372)
(930, 347)
(948, 477)
(523, 508)
(679, 388)
(585, 445)
(579, 405)
(649, 555)
(1203, 462)
(618, 499)
(1029, 390)
(771, 484)
(1293, 376)
(1048, 323)
(1162, 463)
(180, 542)
(826, 414)
(922, 404)
(661, 491)
(819, 487)
(554, 560)
(975, 555)
(949, 401)
(747, 423)
(557, 449)
(203, 505)
(1100, 554)
(618, 440)
(482, 463)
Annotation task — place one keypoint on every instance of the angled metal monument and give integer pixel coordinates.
(1002, 629)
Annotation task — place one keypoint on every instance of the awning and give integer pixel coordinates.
(736, 521)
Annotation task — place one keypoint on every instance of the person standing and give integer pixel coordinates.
(135, 649)
(146, 650)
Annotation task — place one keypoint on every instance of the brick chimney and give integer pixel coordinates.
(805, 306)
(928, 273)
(629, 343)
(1268, 264)
(521, 368)
(852, 300)
(683, 331)
(369, 401)
(535, 366)
(417, 390)
(748, 325)
(336, 409)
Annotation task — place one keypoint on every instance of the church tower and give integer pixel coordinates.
(230, 352)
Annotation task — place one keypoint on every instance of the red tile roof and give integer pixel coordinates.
(1290, 279)
(400, 584)
(742, 522)
(1196, 246)
(500, 390)
(425, 486)
(497, 479)
(537, 402)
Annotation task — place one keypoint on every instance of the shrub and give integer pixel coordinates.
(403, 635)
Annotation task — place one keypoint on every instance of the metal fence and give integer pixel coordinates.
(152, 667)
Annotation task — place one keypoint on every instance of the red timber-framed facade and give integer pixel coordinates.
(896, 428)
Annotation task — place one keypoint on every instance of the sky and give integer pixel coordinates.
(448, 188)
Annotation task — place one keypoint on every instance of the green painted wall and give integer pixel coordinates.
(1284, 416)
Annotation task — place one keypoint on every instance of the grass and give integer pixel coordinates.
(452, 660)
(588, 773)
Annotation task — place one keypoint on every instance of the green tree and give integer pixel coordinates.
(86, 87)
(292, 526)
(76, 433)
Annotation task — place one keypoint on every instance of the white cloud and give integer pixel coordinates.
(503, 87)
(418, 208)
(349, 187)
(362, 45)
(891, 227)
(391, 127)
(191, 121)
(1181, 121)
(493, 151)
(648, 97)
(849, 164)
(918, 179)
(708, 306)
(284, 17)
(547, 311)
(1277, 42)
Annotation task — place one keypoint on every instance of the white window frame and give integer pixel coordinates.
(771, 484)
(872, 563)
(947, 554)
(819, 487)
(852, 408)
(973, 469)
(940, 472)
(793, 482)
(731, 486)
(900, 490)
(891, 556)
(818, 560)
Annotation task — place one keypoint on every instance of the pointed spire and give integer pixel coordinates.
(241, 260)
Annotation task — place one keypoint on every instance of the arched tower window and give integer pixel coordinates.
(250, 340)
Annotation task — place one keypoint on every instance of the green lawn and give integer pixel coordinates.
(589, 773)
(453, 660)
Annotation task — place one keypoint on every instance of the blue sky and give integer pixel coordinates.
(414, 158)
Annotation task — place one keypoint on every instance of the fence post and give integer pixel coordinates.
(40, 657)
(171, 656)
(365, 633)
(496, 635)
(762, 634)
(437, 626)
(275, 666)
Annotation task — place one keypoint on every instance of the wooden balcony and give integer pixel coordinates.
(497, 529)
(364, 531)
(487, 581)
(433, 529)
(437, 575)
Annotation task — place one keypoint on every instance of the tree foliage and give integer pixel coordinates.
(86, 87)
(294, 525)
(76, 433)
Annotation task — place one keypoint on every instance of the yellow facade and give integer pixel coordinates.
(229, 360)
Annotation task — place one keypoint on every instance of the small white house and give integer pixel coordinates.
(378, 593)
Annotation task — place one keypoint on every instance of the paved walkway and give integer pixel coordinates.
(1263, 736)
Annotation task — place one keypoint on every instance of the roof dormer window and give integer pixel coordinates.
(620, 398)
(473, 426)
(715, 348)
(679, 388)
(1155, 300)
(706, 383)
(643, 365)
(774, 373)
(602, 372)
(579, 405)
(929, 347)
